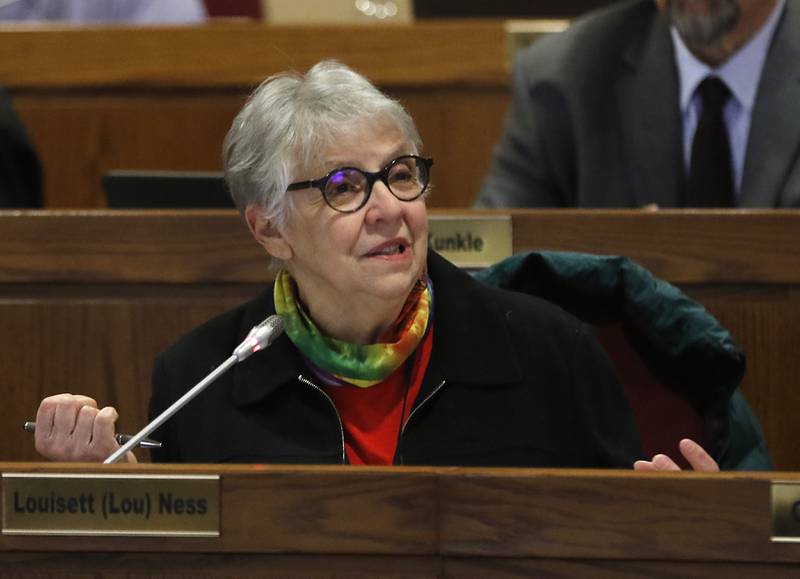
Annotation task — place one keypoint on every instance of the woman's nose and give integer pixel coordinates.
(382, 203)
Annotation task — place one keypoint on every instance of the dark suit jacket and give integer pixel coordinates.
(20, 173)
(512, 381)
(595, 119)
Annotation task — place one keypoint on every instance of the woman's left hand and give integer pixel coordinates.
(697, 457)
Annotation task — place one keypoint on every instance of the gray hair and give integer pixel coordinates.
(289, 119)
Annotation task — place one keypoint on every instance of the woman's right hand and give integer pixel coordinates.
(70, 428)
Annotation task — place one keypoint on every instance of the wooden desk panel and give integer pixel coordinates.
(224, 55)
(98, 99)
(88, 298)
(400, 521)
(80, 137)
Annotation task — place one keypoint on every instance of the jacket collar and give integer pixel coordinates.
(651, 116)
(775, 126)
(259, 375)
(471, 343)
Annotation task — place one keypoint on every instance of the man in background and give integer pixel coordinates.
(673, 103)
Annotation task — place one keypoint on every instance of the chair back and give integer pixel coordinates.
(663, 416)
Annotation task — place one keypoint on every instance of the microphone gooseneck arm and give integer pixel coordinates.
(259, 338)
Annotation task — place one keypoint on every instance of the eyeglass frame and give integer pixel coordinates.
(372, 178)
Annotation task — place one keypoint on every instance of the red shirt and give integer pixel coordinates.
(371, 417)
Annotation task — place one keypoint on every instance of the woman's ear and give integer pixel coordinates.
(266, 234)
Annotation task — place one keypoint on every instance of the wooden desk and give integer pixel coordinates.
(87, 299)
(97, 99)
(434, 522)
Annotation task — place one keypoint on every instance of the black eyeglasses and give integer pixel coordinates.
(347, 189)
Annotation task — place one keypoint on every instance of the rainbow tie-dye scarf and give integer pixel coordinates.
(337, 362)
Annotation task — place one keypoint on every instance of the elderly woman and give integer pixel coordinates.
(391, 354)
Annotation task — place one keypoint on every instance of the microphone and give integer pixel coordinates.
(259, 338)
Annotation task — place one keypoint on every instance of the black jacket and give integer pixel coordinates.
(20, 172)
(512, 381)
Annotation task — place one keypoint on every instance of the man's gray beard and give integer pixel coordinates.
(705, 30)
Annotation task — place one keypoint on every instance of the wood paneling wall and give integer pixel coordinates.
(88, 298)
(98, 99)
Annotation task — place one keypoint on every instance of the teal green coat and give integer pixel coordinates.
(681, 338)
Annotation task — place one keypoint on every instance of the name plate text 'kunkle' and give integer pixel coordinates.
(471, 241)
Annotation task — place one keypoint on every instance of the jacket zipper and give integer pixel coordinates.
(307, 382)
(413, 412)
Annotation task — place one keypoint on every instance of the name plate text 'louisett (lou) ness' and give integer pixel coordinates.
(110, 504)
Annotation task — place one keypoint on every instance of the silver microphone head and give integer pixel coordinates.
(260, 337)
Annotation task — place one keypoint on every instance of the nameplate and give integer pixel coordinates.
(471, 241)
(786, 511)
(110, 504)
